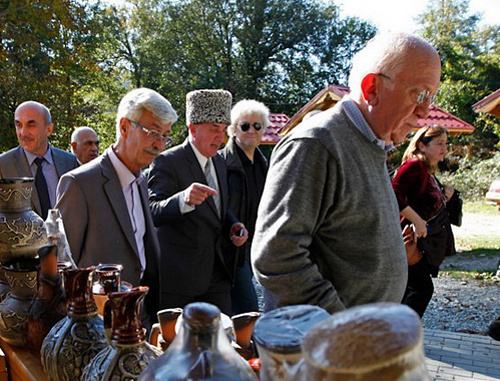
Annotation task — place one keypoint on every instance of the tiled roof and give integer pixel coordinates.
(276, 122)
(489, 104)
(439, 117)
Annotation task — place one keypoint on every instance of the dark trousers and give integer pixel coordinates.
(243, 295)
(218, 293)
(419, 288)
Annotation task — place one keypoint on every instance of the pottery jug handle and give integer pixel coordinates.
(153, 335)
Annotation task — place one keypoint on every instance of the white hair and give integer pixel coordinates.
(248, 107)
(79, 130)
(386, 53)
(134, 103)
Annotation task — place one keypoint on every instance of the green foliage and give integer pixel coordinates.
(278, 51)
(474, 177)
(470, 68)
(49, 53)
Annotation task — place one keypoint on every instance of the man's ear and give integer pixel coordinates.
(369, 88)
(123, 127)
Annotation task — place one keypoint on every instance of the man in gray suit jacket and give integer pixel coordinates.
(33, 127)
(188, 196)
(104, 202)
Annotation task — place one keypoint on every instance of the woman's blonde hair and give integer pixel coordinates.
(424, 136)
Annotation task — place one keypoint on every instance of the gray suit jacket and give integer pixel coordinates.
(98, 226)
(14, 163)
(189, 242)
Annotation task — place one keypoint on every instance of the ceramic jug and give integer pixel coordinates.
(48, 305)
(22, 231)
(129, 352)
(75, 340)
(21, 275)
(163, 333)
(200, 351)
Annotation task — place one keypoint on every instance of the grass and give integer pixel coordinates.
(485, 276)
(480, 207)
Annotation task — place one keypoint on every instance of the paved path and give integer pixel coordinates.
(461, 357)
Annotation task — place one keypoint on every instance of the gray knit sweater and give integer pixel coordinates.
(328, 230)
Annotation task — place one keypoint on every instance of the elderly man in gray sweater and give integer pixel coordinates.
(328, 230)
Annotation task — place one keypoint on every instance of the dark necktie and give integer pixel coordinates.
(41, 187)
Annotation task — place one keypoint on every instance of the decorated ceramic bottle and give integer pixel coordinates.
(75, 340)
(129, 352)
(200, 351)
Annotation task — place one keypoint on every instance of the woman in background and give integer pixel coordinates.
(422, 203)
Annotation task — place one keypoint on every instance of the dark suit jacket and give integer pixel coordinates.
(98, 226)
(189, 242)
(15, 164)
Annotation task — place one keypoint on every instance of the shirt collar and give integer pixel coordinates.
(361, 124)
(48, 156)
(124, 175)
(201, 158)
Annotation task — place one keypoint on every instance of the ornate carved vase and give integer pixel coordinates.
(22, 231)
(129, 353)
(21, 275)
(75, 340)
(48, 305)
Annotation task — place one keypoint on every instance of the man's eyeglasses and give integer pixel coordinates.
(245, 126)
(418, 96)
(153, 135)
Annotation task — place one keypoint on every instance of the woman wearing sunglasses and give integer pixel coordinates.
(246, 174)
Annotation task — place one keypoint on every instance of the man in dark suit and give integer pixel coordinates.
(104, 203)
(188, 197)
(33, 127)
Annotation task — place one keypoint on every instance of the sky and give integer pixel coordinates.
(397, 15)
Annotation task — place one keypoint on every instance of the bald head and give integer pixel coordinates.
(393, 81)
(33, 127)
(85, 144)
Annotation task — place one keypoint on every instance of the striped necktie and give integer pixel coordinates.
(212, 183)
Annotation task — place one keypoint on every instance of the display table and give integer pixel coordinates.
(22, 364)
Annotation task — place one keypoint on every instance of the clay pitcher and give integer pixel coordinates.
(75, 340)
(129, 352)
(22, 231)
(163, 333)
(243, 328)
(21, 275)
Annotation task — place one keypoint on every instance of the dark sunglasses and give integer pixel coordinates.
(245, 126)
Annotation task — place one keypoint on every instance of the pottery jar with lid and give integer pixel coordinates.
(279, 334)
(378, 341)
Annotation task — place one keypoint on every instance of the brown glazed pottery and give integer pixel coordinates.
(75, 340)
(129, 353)
(243, 328)
(163, 333)
(21, 275)
(22, 231)
(200, 351)
(48, 306)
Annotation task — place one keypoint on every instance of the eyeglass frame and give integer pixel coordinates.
(422, 95)
(153, 134)
(256, 125)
